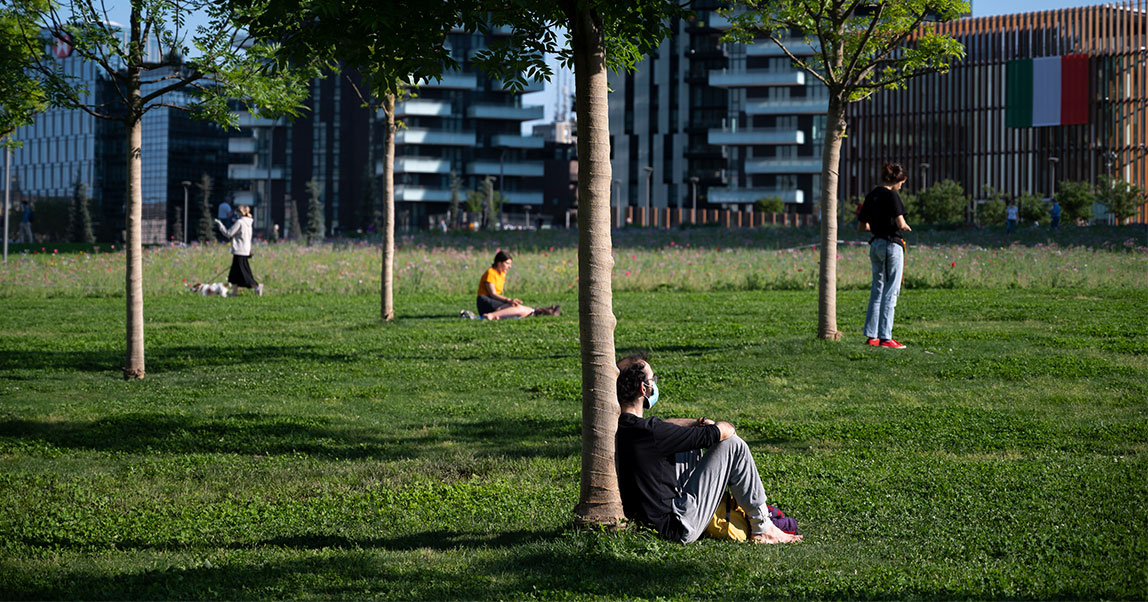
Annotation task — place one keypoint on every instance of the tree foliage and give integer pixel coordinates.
(1076, 199)
(80, 217)
(21, 95)
(769, 204)
(316, 228)
(1120, 197)
(205, 230)
(942, 203)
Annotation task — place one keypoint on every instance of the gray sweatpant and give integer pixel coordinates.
(703, 478)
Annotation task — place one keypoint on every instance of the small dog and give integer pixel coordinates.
(215, 289)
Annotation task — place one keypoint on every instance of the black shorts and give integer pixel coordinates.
(487, 305)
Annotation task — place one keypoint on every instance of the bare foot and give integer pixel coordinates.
(776, 535)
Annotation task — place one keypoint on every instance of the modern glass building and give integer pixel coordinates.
(64, 146)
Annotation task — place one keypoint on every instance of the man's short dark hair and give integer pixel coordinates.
(630, 381)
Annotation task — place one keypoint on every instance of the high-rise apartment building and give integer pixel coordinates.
(465, 124)
(729, 122)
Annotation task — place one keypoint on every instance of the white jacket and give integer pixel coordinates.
(240, 235)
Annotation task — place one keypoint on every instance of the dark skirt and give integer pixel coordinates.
(240, 274)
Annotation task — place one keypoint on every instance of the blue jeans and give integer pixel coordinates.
(1011, 225)
(888, 261)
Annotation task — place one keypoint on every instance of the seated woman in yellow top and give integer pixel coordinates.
(492, 305)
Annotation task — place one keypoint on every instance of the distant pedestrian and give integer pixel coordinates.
(26, 223)
(1054, 212)
(1011, 214)
(240, 235)
(491, 303)
(883, 214)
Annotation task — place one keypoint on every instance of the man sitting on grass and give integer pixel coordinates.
(665, 482)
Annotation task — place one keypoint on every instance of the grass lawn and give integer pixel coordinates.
(292, 446)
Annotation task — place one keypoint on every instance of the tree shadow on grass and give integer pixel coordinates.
(260, 434)
(170, 359)
(508, 564)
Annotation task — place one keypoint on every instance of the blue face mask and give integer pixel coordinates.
(653, 398)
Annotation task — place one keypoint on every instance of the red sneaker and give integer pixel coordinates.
(873, 342)
(892, 344)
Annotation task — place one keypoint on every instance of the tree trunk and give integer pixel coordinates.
(388, 309)
(599, 501)
(830, 161)
(133, 208)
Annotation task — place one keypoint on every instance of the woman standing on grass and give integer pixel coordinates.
(492, 305)
(883, 214)
(240, 235)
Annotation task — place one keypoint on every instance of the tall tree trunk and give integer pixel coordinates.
(599, 501)
(388, 309)
(830, 162)
(133, 208)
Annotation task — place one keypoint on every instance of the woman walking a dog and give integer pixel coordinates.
(240, 235)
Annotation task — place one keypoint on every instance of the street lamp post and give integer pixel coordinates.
(618, 202)
(185, 215)
(925, 178)
(501, 175)
(694, 194)
(1052, 161)
(7, 194)
(649, 184)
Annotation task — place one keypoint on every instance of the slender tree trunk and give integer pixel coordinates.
(599, 501)
(133, 208)
(830, 162)
(388, 309)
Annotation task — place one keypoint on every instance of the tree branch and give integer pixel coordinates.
(183, 81)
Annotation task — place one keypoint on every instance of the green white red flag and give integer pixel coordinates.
(1048, 91)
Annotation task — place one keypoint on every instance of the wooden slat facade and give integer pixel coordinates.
(952, 126)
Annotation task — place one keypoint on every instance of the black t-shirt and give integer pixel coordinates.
(880, 211)
(644, 451)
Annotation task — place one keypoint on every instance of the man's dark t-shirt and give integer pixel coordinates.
(882, 206)
(644, 451)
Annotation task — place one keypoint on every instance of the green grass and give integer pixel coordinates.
(292, 446)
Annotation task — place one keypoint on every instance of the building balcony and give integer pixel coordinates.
(523, 197)
(509, 141)
(768, 48)
(247, 197)
(751, 195)
(504, 112)
(787, 107)
(247, 120)
(509, 168)
(243, 172)
(756, 137)
(245, 146)
(420, 107)
(450, 81)
(420, 194)
(416, 165)
(712, 20)
(755, 79)
(783, 166)
(436, 137)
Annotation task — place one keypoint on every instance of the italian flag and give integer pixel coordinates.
(1047, 91)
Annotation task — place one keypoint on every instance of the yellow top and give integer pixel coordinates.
(494, 277)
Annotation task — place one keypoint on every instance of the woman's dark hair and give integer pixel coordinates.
(500, 257)
(891, 173)
(630, 382)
